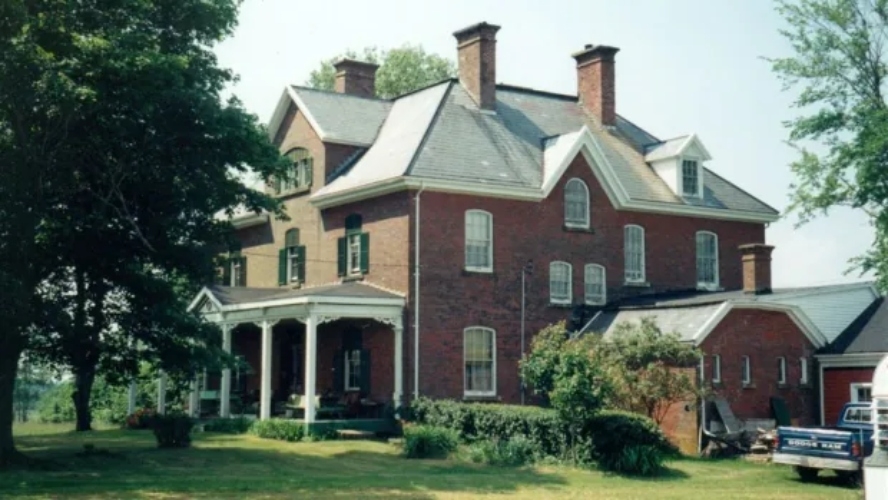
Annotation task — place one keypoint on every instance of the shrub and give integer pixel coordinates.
(628, 443)
(425, 441)
(140, 419)
(239, 425)
(546, 433)
(172, 430)
(513, 452)
(280, 429)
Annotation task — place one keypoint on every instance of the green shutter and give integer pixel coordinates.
(365, 253)
(282, 267)
(226, 273)
(343, 255)
(365, 373)
(300, 263)
(339, 372)
(243, 271)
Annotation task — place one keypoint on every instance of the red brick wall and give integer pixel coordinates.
(837, 389)
(453, 299)
(763, 336)
(680, 424)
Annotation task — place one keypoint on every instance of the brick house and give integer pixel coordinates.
(430, 235)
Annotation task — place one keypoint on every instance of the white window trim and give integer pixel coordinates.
(350, 270)
(643, 255)
(803, 366)
(479, 269)
(347, 369)
(680, 169)
(746, 372)
(853, 387)
(603, 285)
(578, 225)
(234, 266)
(716, 369)
(714, 285)
(781, 370)
(491, 392)
(292, 255)
(569, 282)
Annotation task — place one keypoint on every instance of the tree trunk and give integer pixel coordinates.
(83, 382)
(9, 360)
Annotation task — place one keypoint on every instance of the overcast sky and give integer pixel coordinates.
(684, 66)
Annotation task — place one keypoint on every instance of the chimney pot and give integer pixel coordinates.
(476, 51)
(756, 268)
(596, 87)
(355, 78)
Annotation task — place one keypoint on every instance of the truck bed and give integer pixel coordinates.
(819, 448)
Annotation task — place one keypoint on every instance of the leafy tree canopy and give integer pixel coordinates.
(838, 68)
(401, 70)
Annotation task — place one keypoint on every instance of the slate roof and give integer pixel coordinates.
(832, 309)
(344, 117)
(440, 133)
(867, 334)
(227, 295)
(685, 321)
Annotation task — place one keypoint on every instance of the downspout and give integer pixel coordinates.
(416, 298)
(702, 405)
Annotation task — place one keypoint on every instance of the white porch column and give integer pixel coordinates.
(131, 399)
(161, 392)
(399, 363)
(194, 399)
(225, 396)
(265, 404)
(311, 365)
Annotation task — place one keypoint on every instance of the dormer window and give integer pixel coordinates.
(690, 177)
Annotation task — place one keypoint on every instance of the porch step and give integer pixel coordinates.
(354, 434)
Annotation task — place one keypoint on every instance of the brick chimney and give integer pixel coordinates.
(756, 268)
(355, 78)
(595, 82)
(476, 50)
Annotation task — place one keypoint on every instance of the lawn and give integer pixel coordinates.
(128, 465)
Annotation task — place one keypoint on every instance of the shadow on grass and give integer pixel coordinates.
(127, 463)
(668, 474)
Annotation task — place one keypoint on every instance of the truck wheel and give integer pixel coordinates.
(807, 474)
(852, 478)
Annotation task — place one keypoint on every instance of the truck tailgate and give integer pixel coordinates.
(821, 443)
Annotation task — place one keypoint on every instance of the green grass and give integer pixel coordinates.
(128, 465)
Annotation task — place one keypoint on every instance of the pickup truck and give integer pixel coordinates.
(841, 448)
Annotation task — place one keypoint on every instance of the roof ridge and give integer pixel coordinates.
(416, 91)
(531, 90)
(339, 94)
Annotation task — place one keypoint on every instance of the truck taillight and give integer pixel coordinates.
(855, 449)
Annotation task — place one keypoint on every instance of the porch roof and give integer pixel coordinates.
(228, 295)
(233, 305)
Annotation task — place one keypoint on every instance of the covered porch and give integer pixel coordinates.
(321, 354)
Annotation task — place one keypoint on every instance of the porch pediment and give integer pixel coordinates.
(222, 304)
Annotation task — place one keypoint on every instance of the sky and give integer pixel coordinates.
(684, 66)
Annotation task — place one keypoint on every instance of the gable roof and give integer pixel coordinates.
(437, 137)
(677, 146)
(866, 334)
(225, 297)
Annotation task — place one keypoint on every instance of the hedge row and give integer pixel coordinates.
(618, 441)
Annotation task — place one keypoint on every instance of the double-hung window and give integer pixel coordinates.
(576, 204)
(354, 248)
(560, 283)
(291, 259)
(479, 241)
(707, 260)
(633, 254)
(479, 345)
(595, 284)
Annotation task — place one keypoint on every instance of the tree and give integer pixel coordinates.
(117, 154)
(653, 370)
(839, 67)
(401, 70)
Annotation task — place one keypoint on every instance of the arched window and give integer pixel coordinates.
(479, 241)
(560, 283)
(576, 204)
(300, 173)
(707, 260)
(479, 355)
(633, 254)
